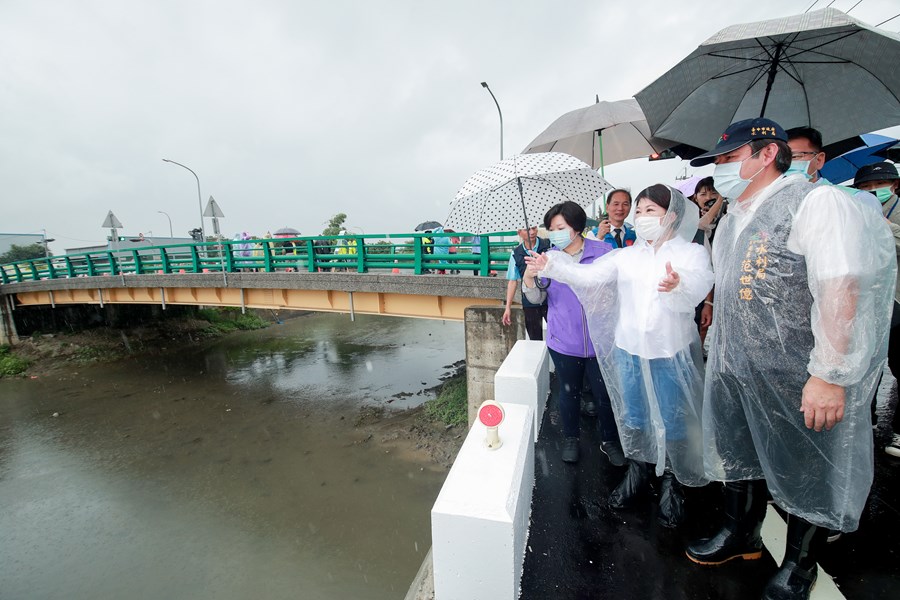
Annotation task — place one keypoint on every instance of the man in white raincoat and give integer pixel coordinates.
(804, 283)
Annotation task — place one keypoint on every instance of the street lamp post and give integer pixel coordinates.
(45, 242)
(485, 86)
(199, 198)
(162, 212)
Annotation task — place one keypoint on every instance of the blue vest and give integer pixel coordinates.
(628, 236)
(519, 254)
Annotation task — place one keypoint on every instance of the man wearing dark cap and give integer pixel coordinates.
(881, 179)
(804, 285)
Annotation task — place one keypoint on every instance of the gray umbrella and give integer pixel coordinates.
(517, 192)
(823, 69)
(601, 134)
(427, 226)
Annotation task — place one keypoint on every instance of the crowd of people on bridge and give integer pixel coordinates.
(796, 281)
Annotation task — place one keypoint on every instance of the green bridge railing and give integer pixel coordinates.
(353, 253)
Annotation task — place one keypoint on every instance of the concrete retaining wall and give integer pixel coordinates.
(479, 522)
(488, 343)
(524, 378)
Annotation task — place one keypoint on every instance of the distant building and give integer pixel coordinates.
(8, 240)
(133, 242)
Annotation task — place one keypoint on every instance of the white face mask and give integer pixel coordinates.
(649, 228)
(728, 181)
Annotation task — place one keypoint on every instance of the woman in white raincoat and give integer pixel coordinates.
(640, 305)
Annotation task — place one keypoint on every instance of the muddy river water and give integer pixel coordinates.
(224, 470)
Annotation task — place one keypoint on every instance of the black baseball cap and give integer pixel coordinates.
(883, 171)
(739, 134)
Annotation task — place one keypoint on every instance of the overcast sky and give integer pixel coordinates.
(292, 111)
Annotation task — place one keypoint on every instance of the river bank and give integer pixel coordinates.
(429, 433)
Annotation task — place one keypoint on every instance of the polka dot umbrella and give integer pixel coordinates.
(516, 193)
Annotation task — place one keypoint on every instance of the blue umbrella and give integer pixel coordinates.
(845, 166)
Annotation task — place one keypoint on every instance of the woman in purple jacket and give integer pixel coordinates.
(567, 334)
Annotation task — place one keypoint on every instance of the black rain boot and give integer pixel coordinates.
(636, 482)
(671, 502)
(745, 509)
(797, 575)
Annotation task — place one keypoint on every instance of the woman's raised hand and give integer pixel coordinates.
(670, 281)
(535, 262)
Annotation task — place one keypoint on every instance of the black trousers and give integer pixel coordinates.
(534, 315)
(894, 366)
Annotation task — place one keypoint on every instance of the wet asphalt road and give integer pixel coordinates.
(579, 548)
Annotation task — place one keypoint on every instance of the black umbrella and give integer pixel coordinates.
(427, 226)
(822, 69)
(287, 232)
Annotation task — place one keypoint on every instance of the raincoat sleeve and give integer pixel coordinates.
(534, 294)
(582, 278)
(696, 279)
(851, 268)
(895, 229)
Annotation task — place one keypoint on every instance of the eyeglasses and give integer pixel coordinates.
(800, 155)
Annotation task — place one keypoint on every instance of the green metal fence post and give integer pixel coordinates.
(360, 255)
(138, 268)
(195, 258)
(267, 256)
(113, 267)
(485, 264)
(417, 254)
(51, 271)
(164, 261)
(228, 249)
(70, 268)
(311, 265)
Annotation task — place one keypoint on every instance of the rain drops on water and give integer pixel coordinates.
(369, 366)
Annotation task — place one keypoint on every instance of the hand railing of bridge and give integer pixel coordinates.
(418, 253)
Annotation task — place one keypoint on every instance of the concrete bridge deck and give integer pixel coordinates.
(383, 293)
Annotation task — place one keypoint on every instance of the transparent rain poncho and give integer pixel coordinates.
(646, 341)
(804, 286)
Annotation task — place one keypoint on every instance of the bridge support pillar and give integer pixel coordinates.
(488, 341)
(8, 334)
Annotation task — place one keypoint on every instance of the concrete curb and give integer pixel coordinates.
(422, 587)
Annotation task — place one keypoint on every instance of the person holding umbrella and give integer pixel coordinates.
(804, 285)
(568, 338)
(534, 313)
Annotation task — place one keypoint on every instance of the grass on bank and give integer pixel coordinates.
(226, 320)
(10, 364)
(451, 405)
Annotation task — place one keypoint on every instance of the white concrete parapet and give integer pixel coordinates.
(479, 522)
(524, 378)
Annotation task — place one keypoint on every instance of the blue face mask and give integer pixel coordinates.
(883, 194)
(727, 178)
(561, 238)
(799, 166)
